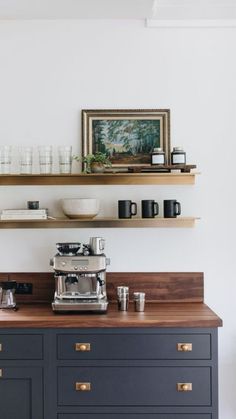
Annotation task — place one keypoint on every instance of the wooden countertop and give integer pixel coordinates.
(155, 315)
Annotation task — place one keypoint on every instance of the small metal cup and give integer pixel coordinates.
(123, 298)
(123, 304)
(121, 291)
(139, 301)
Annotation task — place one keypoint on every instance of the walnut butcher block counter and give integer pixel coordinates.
(160, 364)
(155, 315)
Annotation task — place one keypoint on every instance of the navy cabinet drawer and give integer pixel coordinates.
(21, 346)
(134, 386)
(133, 416)
(132, 346)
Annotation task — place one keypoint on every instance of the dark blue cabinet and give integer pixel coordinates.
(21, 393)
(134, 416)
(104, 373)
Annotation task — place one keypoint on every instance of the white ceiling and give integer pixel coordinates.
(75, 9)
(117, 9)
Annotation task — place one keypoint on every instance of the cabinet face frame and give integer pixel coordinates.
(51, 364)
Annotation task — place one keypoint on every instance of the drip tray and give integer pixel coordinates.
(99, 306)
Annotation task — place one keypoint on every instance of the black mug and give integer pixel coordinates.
(33, 204)
(172, 208)
(150, 208)
(126, 209)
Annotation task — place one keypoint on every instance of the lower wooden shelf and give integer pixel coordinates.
(180, 222)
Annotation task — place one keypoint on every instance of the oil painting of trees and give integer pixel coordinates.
(126, 141)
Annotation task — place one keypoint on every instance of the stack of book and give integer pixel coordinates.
(24, 214)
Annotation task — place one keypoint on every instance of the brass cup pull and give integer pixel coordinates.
(184, 347)
(83, 386)
(184, 386)
(83, 347)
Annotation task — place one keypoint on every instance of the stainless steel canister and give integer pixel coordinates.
(97, 245)
(139, 301)
(123, 298)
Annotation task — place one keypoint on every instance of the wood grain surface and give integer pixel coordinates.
(155, 315)
(101, 179)
(173, 299)
(158, 286)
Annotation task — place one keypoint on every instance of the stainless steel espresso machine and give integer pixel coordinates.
(80, 278)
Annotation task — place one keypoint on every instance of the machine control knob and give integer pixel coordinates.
(63, 263)
(76, 268)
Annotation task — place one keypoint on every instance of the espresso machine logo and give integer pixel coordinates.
(80, 278)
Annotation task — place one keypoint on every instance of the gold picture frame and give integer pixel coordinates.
(126, 136)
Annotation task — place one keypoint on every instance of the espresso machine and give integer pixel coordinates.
(80, 279)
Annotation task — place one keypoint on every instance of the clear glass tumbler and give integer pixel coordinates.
(45, 159)
(65, 159)
(5, 159)
(26, 160)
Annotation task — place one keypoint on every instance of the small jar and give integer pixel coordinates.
(178, 156)
(158, 156)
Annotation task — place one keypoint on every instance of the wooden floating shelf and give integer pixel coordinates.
(174, 178)
(181, 222)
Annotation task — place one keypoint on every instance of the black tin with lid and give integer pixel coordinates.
(178, 156)
(158, 156)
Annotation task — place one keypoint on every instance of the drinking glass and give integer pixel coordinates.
(45, 159)
(5, 159)
(26, 160)
(65, 159)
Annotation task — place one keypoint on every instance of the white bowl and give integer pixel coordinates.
(80, 207)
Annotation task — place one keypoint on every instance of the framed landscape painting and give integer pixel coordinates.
(127, 137)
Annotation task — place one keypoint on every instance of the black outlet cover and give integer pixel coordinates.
(24, 288)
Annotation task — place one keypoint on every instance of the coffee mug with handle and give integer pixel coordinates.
(172, 208)
(126, 208)
(150, 208)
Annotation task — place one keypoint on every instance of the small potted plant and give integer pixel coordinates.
(95, 163)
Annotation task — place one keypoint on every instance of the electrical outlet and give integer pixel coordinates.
(24, 288)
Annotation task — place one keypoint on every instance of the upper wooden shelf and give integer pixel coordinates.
(101, 179)
(179, 222)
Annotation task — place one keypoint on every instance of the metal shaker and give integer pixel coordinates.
(139, 301)
(97, 245)
(123, 298)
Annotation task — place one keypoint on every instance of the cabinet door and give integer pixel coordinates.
(21, 394)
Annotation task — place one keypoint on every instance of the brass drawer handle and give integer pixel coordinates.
(184, 347)
(83, 386)
(0, 373)
(184, 386)
(0, 347)
(83, 347)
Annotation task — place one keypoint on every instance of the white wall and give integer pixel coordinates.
(50, 70)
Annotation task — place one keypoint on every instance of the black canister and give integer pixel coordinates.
(178, 156)
(158, 156)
